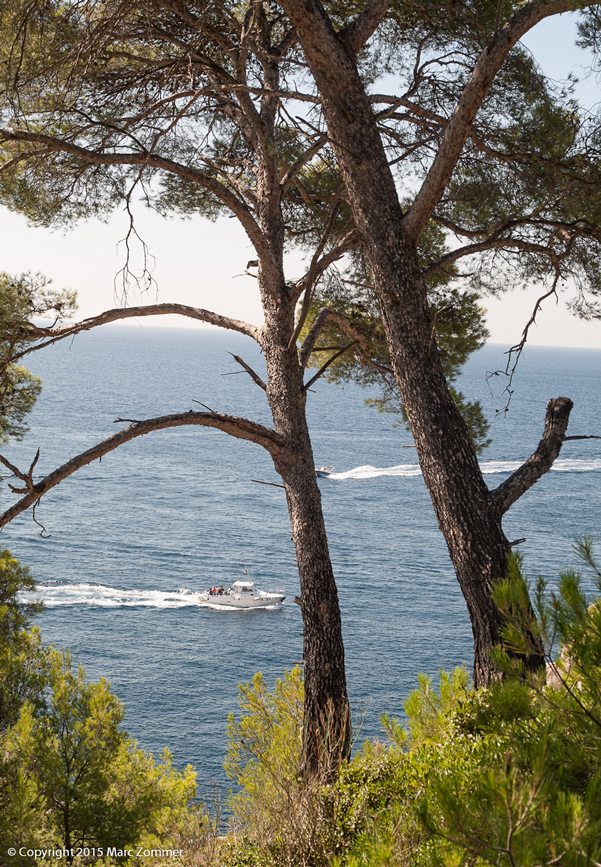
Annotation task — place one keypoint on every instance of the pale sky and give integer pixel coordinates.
(198, 262)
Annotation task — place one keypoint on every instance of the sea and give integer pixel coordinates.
(122, 548)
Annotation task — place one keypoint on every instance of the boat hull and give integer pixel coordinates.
(235, 600)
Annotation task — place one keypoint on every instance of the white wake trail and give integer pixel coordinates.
(100, 596)
(563, 465)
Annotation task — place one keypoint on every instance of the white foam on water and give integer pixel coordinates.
(575, 465)
(488, 468)
(100, 596)
(565, 465)
(369, 472)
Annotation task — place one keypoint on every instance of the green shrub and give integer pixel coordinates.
(509, 775)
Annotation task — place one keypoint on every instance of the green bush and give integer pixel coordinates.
(69, 776)
(509, 775)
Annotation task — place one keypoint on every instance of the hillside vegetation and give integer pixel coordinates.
(509, 775)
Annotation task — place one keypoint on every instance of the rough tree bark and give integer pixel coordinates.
(468, 514)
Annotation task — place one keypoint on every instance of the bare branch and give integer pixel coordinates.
(53, 335)
(25, 477)
(516, 351)
(556, 423)
(254, 376)
(325, 366)
(240, 428)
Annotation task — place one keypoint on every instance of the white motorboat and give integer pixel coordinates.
(241, 594)
(323, 471)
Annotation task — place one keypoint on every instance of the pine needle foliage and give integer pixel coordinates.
(506, 776)
(24, 299)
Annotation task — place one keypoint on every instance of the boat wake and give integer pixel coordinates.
(101, 596)
(565, 465)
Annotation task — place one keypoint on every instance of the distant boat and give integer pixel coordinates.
(241, 594)
(323, 471)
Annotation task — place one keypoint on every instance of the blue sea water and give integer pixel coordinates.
(133, 538)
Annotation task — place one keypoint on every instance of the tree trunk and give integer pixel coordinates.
(327, 729)
(467, 513)
(470, 524)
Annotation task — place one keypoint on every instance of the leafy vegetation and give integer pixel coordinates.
(509, 775)
(355, 322)
(70, 777)
(22, 300)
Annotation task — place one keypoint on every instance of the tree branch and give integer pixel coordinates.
(292, 172)
(356, 34)
(347, 242)
(254, 376)
(458, 128)
(311, 338)
(25, 477)
(493, 243)
(203, 179)
(240, 428)
(56, 334)
(515, 352)
(324, 367)
(312, 276)
(556, 423)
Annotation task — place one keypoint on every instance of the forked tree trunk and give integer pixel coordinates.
(468, 519)
(468, 514)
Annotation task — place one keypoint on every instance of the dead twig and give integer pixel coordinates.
(25, 477)
(325, 366)
(254, 376)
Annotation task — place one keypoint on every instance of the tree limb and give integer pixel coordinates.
(458, 127)
(356, 34)
(507, 243)
(254, 376)
(53, 335)
(311, 338)
(556, 423)
(240, 428)
(312, 276)
(25, 477)
(325, 366)
(203, 179)
(347, 242)
(515, 352)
